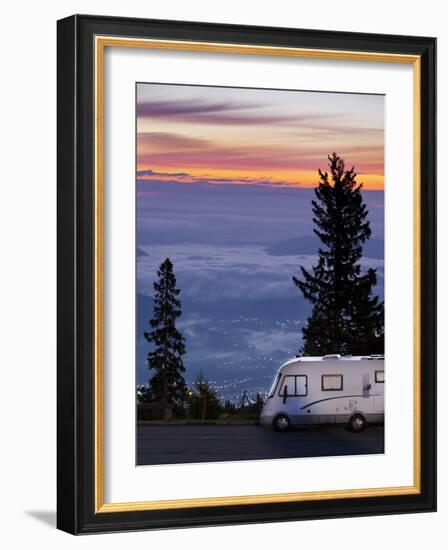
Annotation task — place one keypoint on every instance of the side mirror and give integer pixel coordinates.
(285, 395)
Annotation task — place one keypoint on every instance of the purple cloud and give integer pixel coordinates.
(170, 141)
(230, 112)
(151, 173)
(185, 177)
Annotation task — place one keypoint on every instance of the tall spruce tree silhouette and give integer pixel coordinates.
(346, 318)
(167, 384)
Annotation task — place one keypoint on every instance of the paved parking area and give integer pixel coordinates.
(186, 444)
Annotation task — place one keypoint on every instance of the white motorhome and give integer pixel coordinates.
(332, 389)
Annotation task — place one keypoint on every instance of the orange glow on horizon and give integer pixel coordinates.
(305, 179)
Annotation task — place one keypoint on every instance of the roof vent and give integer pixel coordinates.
(332, 356)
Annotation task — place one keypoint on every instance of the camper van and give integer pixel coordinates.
(332, 389)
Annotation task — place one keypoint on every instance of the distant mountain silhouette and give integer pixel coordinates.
(139, 252)
(309, 245)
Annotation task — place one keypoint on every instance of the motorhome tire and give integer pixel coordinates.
(281, 423)
(357, 423)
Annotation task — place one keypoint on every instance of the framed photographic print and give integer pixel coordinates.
(246, 274)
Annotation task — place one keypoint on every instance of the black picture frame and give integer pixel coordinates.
(76, 511)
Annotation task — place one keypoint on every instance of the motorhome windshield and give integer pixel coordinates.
(274, 385)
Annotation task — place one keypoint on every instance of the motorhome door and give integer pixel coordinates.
(379, 391)
(366, 385)
(292, 386)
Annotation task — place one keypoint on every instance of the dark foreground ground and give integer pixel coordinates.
(183, 444)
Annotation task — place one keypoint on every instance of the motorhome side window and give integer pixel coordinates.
(379, 376)
(332, 382)
(294, 385)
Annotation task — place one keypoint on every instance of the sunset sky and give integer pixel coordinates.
(256, 137)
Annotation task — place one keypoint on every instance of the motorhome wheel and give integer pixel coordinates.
(281, 423)
(357, 423)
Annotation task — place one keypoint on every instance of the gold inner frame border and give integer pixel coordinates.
(100, 43)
